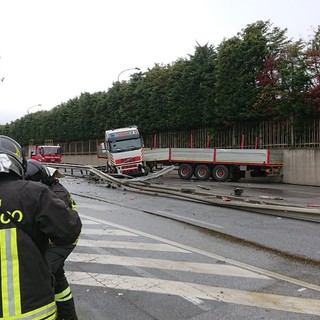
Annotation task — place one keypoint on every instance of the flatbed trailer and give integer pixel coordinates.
(220, 164)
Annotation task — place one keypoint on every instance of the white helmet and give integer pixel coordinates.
(12, 158)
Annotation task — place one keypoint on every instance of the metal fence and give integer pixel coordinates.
(259, 136)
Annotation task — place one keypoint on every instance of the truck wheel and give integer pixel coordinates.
(236, 174)
(185, 171)
(236, 177)
(220, 173)
(202, 172)
(146, 170)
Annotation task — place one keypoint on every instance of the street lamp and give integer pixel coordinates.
(37, 105)
(127, 70)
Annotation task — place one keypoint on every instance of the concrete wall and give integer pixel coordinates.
(299, 166)
(90, 160)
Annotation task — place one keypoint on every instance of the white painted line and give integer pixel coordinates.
(85, 221)
(129, 245)
(107, 232)
(217, 269)
(197, 291)
(246, 266)
(194, 300)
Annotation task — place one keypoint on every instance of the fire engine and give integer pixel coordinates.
(47, 152)
(123, 150)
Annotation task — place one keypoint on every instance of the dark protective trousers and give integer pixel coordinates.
(56, 257)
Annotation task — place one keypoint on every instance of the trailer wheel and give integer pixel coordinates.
(185, 171)
(220, 173)
(236, 177)
(202, 172)
(236, 174)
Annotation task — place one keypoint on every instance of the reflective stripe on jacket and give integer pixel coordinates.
(26, 287)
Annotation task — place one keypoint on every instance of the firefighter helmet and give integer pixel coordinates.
(12, 156)
(36, 171)
(55, 173)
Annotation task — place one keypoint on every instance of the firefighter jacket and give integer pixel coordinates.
(30, 214)
(64, 195)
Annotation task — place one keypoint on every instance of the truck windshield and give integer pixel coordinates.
(125, 145)
(51, 150)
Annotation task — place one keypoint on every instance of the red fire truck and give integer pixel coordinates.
(47, 152)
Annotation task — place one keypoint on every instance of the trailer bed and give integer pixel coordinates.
(256, 157)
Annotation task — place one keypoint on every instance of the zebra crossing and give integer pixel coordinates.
(160, 266)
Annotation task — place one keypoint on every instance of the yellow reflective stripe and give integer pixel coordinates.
(10, 273)
(65, 295)
(73, 204)
(16, 271)
(76, 241)
(10, 282)
(4, 275)
(47, 312)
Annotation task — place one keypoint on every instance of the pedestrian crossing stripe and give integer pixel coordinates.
(239, 264)
(197, 291)
(130, 245)
(204, 268)
(108, 232)
(186, 290)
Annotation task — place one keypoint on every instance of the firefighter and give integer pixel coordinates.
(30, 214)
(56, 255)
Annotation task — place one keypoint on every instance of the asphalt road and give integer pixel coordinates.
(295, 237)
(132, 263)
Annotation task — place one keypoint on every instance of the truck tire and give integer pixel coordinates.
(146, 170)
(236, 177)
(220, 173)
(185, 171)
(202, 172)
(235, 174)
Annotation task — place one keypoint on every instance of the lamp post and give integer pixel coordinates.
(37, 105)
(127, 70)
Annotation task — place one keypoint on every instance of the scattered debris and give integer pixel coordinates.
(313, 205)
(202, 187)
(185, 190)
(238, 191)
(271, 198)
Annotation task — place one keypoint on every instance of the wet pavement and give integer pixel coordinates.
(260, 189)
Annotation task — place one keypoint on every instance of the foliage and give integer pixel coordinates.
(257, 75)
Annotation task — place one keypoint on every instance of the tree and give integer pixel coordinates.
(312, 58)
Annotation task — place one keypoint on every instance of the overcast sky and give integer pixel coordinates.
(53, 50)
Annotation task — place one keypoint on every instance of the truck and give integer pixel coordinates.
(47, 152)
(123, 150)
(219, 164)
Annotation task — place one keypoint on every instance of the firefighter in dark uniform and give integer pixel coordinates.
(30, 215)
(56, 255)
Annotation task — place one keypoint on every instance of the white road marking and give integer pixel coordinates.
(107, 232)
(189, 291)
(206, 268)
(129, 245)
(197, 291)
(85, 221)
(193, 300)
(212, 255)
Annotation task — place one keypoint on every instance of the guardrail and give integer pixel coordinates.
(143, 184)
